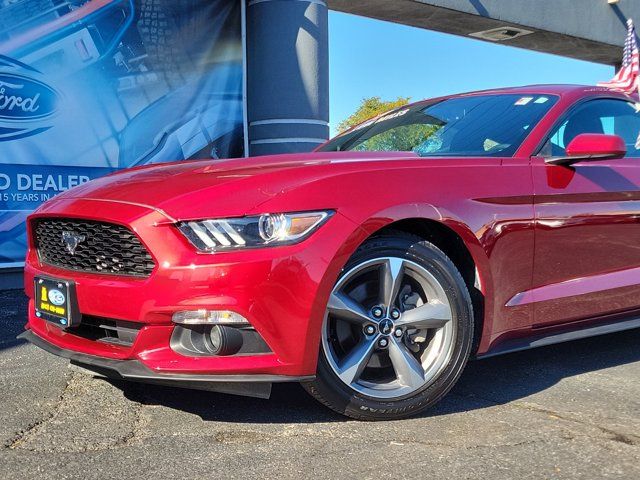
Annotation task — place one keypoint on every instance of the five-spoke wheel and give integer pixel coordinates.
(388, 329)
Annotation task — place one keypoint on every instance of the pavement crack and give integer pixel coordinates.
(427, 443)
(139, 425)
(48, 434)
(622, 437)
(628, 439)
(613, 435)
(17, 441)
(134, 435)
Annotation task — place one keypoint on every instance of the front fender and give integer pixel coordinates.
(426, 211)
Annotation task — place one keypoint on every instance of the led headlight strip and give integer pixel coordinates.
(253, 232)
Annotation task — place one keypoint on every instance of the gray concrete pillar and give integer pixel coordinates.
(287, 75)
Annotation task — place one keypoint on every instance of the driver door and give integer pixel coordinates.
(587, 221)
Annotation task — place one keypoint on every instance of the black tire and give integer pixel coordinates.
(328, 389)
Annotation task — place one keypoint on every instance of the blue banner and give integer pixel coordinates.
(90, 87)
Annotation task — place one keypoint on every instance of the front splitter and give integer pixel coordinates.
(258, 386)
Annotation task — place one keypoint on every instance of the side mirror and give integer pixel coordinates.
(591, 147)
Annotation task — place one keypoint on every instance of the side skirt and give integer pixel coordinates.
(560, 336)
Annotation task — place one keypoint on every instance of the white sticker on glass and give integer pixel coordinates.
(524, 101)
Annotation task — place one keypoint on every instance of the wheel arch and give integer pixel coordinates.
(456, 240)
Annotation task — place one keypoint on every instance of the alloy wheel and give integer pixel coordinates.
(388, 330)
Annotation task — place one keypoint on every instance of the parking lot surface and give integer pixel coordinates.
(570, 411)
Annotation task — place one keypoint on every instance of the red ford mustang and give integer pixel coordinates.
(370, 270)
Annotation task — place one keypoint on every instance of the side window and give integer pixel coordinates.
(612, 117)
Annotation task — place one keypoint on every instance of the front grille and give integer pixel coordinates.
(101, 247)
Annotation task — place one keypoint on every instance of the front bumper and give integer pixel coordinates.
(282, 291)
(258, 386)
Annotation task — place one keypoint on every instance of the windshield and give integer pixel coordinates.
(473, 126)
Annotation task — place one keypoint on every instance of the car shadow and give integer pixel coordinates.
(493, 381)
(504, 379)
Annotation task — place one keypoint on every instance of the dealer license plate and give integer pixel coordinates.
(56, 302)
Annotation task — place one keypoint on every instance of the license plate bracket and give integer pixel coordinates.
(56, 301)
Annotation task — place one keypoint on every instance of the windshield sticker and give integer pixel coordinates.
(362, 125)
(490, 144)
(524, 101)
(542, 100)
(394, 115)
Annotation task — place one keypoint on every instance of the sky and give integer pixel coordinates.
(374, 58)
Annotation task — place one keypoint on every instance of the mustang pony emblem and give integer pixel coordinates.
(71, 241)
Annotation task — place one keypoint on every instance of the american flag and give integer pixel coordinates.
(628, 78)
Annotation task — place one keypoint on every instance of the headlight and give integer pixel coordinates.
(252, 232)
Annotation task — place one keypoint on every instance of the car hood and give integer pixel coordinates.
(200, 189)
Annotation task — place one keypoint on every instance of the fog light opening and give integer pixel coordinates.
(211, 333)
(224, 341)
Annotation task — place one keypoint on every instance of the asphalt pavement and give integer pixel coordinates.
(570, 411)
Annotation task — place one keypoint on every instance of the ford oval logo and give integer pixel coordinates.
(23, 98)
(57, 297)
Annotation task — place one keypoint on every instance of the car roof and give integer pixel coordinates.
(548, 89)
(561, 90)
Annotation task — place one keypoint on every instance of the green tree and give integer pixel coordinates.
(405, 138)
(369, 108)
